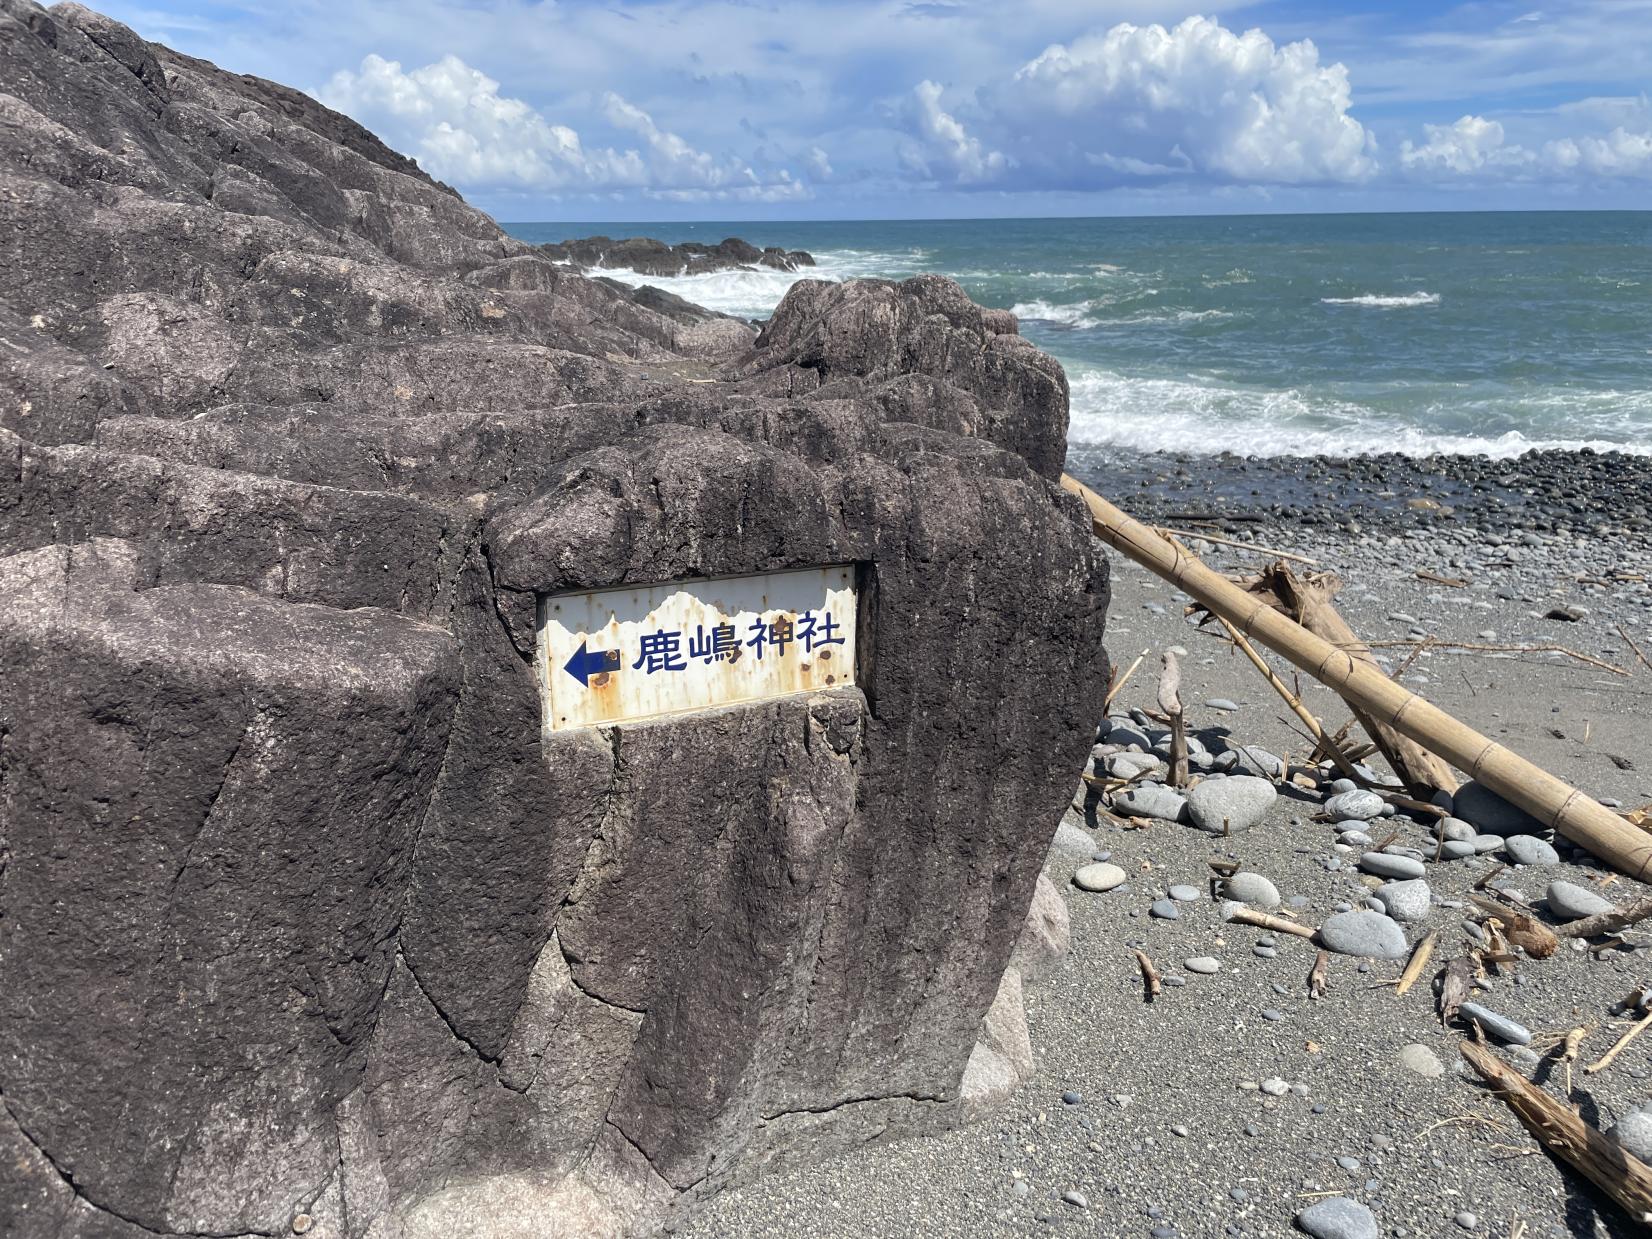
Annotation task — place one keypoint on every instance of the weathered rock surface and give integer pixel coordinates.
(299, 912)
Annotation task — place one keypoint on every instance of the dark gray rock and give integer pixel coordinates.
(1363, 933)
(1492, 814)
(299, 908)
(1337, 1217)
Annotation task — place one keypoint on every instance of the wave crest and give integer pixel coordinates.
(1382, 301)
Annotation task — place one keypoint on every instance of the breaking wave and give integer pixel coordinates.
(1385, 302)
(1075, 315)
(755, 293)
(1200, 418)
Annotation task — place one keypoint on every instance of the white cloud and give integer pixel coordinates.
(1470, 145)
(1195, 100)
(818, 164)
(455, 121)
(944, 150)
(1474, 147)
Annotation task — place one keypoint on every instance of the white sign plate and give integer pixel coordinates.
(640, 652)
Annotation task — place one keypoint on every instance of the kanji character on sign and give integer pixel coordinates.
(777, 632)
(721, 644)
(813, 632)
(660, 652)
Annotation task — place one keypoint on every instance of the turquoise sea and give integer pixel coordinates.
(1278, 335)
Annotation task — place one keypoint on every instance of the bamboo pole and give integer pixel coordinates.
(1550, 800)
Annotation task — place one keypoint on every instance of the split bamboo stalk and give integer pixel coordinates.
(1550, 800)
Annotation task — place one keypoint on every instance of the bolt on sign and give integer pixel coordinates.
(641, 652)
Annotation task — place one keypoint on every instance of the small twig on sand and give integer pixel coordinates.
(1149, 976)
(1607, 922)
(1291, 699)
(1244, 546)
(1250, 916)
(1419, 961)
(1316, 977)
(1117, 686)
(1622, 632)
(1569, 1047)
(1482, 647)
(1605, 1060)
(1456, 582)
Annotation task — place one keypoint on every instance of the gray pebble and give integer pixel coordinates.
(1634, 1131)
(1337, 1217)
(1075, 1198)
(1363, 933)
(1422, 1060)
(1202, 964)
(1184, 894)
(1252, 889)
(1499, 1026)
(1264, 952)
(1230, 805)
(1358, 805)
(1530, 850)
(1271, 1015)
(1387, 865)
(1406, 901)
(1570, 902)
(1165, 910)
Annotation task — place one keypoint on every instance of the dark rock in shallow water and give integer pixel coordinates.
(301, 912)
(646, 256)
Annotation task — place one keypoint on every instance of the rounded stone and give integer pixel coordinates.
(1491, 813)
(1422, 1060)
(1150, 800)
(1530, 850)
(1499, 1026)
(1571, 902)
(1100, 876)
(1633, 1132)
(1369, 934)
(1487, 843)
(1456, 828)
(1337, 1217)
(1406, 901)
(1203, 964)
(1231, 804)
(1357, 805)
(1184, 894)
(1456, 849)
(1387, 865)
(1165, 910)
(1253, 889)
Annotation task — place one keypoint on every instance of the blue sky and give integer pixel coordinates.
(822, 109)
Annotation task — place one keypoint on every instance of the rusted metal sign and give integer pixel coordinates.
(640, 652)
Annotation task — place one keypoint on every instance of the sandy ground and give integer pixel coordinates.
(1418, 1151)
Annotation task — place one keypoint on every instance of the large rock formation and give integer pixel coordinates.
(303, 925)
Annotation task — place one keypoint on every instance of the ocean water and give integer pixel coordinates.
(1278, 335)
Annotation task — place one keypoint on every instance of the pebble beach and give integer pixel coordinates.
(1233, 1103)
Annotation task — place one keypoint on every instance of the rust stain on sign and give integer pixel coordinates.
(641, 652)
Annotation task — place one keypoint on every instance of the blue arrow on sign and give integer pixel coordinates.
(586, 663)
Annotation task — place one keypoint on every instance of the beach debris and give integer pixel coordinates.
(1316, 974)
(1119, 681)
(1563, 1133)
(1170, 702)
(1240, 914)
(1456, 981)
(1149, 976)
(1420, 955)
(1605, 1060)
(1366, 689)
(1608, 922)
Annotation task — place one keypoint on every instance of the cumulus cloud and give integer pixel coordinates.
(943, 149)
(459, 126)
(1476, 148)
(1194, 100)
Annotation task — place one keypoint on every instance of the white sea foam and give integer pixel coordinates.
(1185, 415)
(755, 293)
(1077, 314)
(1381, 301)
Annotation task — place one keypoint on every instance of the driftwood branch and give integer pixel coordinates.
(1551, 801)
(1481, 647)
(1149, 976)
(1250, 916)
(1605, 1060)
(1419, 960)
(1170, 701)
(1622, 1176)
(1118, 684)
(1607, 922)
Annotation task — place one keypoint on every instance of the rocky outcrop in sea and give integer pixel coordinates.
(306, 923)
(647, 256)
